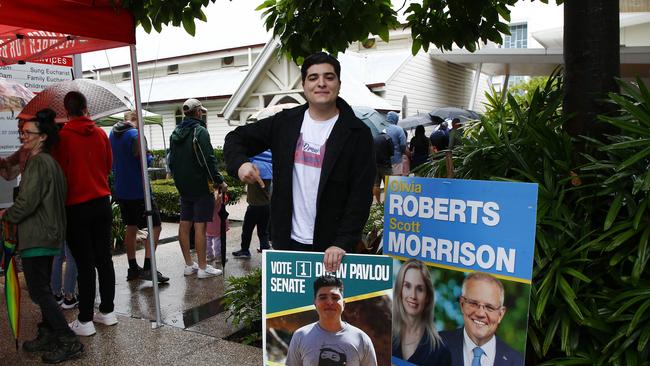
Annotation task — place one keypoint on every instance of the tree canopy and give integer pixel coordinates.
(306, 26)
(156, 13)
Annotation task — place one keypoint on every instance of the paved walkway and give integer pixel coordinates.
(195, 323)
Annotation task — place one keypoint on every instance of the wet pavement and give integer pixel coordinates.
(195, 322)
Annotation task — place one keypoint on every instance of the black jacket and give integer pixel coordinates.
(347, 175)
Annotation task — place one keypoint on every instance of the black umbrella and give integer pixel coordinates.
(413, 121)
(223, 215)
(449, 113)
(437, 116)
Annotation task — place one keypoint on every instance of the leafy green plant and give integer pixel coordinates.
(118, 229)
(236, 189)
(375, 218)
(617, 177)
(167, 197)
(591, 289)
(243, 299)
(373, 231)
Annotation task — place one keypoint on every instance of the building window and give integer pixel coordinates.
(518, 37)
(172, 69)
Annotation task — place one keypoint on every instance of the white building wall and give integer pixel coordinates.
(636, 36)
(217, 126)
(537, 16)
(483, 88)
(430, 83)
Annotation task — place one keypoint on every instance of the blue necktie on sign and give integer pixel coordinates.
(478, 352)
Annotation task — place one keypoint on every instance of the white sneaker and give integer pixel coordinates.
(190, 270)
(106, 319)
(209, 271)
(82, 329)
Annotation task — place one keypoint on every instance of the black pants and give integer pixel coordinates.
(89, 239)
(256, 216)
(38, 271)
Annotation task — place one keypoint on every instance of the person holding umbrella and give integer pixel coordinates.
(39, 213)
(85, 156)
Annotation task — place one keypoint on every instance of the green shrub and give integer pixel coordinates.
(591, 287)
(375, 218)
(167, 198)
(118, 229)
(163, 182)
(166, 195)
(235, 187)
(373, 231)
(161, 154)
(243, 298)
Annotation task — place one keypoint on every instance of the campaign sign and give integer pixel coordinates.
(288, 301)
(469, 245)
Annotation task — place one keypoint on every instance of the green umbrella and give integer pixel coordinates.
(150, 118)
(12, 285)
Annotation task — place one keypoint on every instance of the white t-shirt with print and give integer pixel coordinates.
(307, 164)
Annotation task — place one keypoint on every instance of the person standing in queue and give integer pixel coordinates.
(39, 213)
(85, 156)
(194, 168)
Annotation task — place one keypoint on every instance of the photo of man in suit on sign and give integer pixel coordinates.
(475, 344)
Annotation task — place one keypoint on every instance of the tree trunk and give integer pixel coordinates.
(591, 61)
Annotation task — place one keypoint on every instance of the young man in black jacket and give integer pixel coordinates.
(323, 166)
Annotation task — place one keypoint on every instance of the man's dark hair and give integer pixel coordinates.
(75, 103)
(327, 281)
(320, 58)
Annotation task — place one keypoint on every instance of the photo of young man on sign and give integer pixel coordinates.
(313, 317)
(330, 341)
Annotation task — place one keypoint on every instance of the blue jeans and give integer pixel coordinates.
(70, 279)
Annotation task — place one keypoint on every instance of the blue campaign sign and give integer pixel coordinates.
(464, 225)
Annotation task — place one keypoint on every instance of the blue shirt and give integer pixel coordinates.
(399, 142)
(263, 161)
(127, 174)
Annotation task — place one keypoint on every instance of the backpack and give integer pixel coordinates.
(383, 148)
(200, 158)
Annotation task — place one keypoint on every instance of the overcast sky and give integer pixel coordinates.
(230, 24)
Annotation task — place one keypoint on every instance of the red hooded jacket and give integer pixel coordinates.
(84, 154)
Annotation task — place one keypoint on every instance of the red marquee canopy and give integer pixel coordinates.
(37, 29)
(34, 29)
